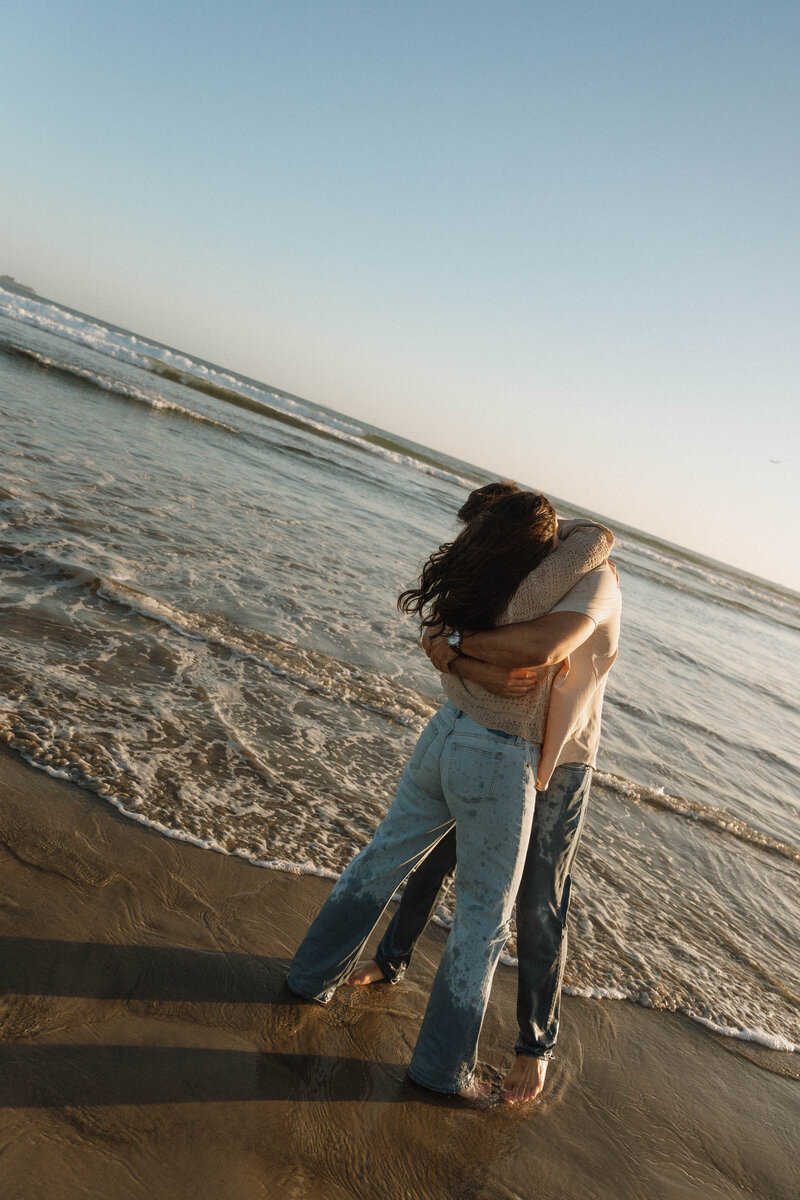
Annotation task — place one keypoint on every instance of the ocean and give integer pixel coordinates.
(199, 575)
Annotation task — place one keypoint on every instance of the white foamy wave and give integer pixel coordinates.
(394, 456)
(61, 323)
(315, 673)
(192, 373)
(117, 387)
(178, 835)
(730, 589)
(682, 563)
(185, 370)
(383, 698)
(597, 993)
(129, 348)
(716, 818)
(771, 1040)
(407, 460)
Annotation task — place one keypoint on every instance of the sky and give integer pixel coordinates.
(558, 240)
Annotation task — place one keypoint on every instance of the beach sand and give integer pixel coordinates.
(150, 1049)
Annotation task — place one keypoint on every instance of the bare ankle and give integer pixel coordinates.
(525, 1080)
(365, 973)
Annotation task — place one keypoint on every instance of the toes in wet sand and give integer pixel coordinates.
(525, 1080)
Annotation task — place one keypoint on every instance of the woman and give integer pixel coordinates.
(462, 773)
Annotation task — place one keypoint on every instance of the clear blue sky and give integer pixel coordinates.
(556, 239)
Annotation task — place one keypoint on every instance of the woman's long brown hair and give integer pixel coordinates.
(466, 584)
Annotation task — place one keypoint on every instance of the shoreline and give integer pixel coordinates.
(752, 1036)
(149, 1047)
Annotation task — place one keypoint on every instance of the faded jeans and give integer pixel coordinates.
(482, 785)
(542, 906)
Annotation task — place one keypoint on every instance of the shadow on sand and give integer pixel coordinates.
(48, 1076)
(100, 970)
(74, 1075)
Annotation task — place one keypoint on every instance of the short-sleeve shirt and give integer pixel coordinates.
(572, 727)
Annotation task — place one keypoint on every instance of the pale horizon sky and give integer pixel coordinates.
(558, 241)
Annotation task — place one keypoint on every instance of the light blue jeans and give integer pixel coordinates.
(484, 783)
(542, 907)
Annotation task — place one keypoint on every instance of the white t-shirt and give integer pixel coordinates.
(572, 727)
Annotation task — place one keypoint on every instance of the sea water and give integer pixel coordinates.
(199, 575)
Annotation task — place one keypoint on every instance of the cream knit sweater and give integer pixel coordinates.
(582, 545)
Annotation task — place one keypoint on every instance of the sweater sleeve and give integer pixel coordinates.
(582, 546)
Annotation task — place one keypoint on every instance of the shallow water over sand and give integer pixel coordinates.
(199, 577)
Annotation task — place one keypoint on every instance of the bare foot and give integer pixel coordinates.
(364, 973)
(525, 1080)
(479, 1089)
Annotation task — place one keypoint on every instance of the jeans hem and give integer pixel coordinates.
(308, 995)
(390, 973)
(451, 1091)
(549, 1055)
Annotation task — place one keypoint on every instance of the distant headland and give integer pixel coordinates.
(13, 285)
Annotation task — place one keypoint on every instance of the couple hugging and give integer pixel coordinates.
(521, 617)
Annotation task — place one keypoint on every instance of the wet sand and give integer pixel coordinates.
(149, 1048)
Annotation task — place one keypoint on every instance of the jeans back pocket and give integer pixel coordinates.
(472, 772)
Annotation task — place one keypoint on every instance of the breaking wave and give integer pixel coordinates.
(212, 381)
(117, 388)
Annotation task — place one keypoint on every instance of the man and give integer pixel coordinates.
(500, 661)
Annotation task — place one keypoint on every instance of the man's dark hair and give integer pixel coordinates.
(482, 497)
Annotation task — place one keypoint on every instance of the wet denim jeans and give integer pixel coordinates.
(482, 785)
(542, 906)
